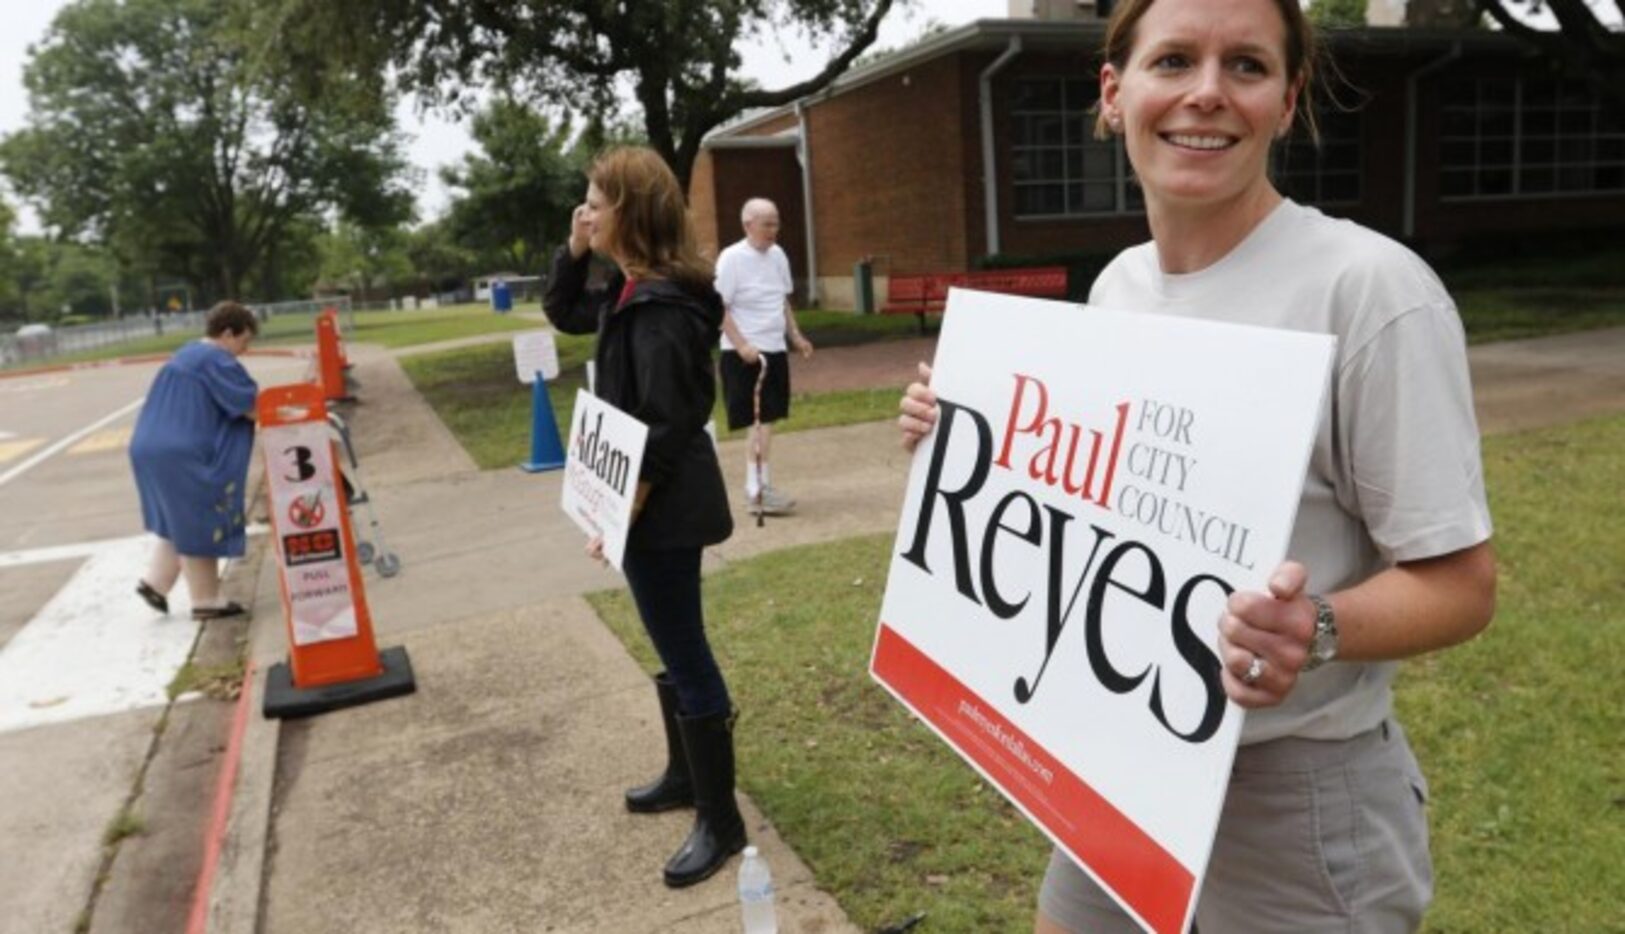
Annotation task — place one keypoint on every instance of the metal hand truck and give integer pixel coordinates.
(368, 550)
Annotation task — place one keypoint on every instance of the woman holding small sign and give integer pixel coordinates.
(1323, 826)
(656, 323)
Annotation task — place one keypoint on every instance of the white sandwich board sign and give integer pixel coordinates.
(602, 462)
(318, 577)
(535, 352)
(1097, 484)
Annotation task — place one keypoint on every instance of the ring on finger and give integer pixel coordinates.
(1255, 670)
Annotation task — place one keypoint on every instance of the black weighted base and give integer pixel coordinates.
(283, 700)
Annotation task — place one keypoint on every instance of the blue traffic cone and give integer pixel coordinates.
(546, 451)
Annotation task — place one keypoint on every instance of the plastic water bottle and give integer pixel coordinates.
(756, 894)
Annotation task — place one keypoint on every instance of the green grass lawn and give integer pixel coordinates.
(836, 328)
(1516, 313)
(426, 326)
(1520, 731)
(888, 819)
(387, 328)
(1579, 260)
(476, 393)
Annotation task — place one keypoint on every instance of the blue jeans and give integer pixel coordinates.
(665, 583)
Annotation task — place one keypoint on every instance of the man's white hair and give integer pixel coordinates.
(756, 208)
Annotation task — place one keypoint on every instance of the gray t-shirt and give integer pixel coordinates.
(1395, 474)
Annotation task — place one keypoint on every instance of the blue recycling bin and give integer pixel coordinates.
(501, 298)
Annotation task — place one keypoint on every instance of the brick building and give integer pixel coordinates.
(1432, 136)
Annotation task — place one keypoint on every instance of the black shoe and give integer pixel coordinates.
(674, 788)
(231, 608)
(150, 594)
(719, 830)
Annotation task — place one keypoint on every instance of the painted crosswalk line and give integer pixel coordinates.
(109, 439)
(95, 648)
(34, 460)
(13, 448)
(25, 387)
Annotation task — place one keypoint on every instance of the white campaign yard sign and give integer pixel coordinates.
(533, 352)
(306, 515)
(1096, 485)
(601, 467)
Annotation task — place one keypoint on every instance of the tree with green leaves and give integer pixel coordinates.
(1584, 44)
(680, 57)
(152, 131)
(1441, 14)
(30, 272)
(932, 28)
(80, 280)
(10, 264)
(439, 261)
(1337, 14)
(365, 258)
(41, 279)
(514, 196)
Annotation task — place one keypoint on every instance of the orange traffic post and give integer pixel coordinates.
(329, 359)
(333, 660)
(344, 355)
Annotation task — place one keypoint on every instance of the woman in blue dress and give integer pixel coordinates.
(190, 456)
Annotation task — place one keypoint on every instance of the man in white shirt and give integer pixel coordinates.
(753, 278)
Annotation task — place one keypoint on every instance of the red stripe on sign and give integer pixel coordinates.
(1123, 856)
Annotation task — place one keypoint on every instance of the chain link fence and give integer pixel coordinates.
(35, 344)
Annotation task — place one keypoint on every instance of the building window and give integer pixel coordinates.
(1528, 138)
(1057, 167)
(1326, 174)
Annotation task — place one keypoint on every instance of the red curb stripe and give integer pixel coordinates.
(214, 839)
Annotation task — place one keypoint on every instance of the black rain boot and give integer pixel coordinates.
(673, 789)
(719, 830)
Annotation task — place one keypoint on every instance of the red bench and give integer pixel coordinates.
(925, 294)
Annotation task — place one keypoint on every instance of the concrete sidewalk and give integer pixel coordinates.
(489, 801)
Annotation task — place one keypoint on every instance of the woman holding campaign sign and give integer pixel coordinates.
(1323, 826)
(656, 324)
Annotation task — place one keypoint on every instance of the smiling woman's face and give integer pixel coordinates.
(1203, 94)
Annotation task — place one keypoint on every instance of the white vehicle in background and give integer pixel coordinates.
(31, 341)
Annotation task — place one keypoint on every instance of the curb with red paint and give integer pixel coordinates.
(220, 813)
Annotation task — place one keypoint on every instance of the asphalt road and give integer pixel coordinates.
(83, 663)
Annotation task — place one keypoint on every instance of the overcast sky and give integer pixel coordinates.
(775, 61)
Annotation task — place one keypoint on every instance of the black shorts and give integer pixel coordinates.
(739, 388)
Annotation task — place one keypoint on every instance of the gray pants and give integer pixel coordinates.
(1315, 837)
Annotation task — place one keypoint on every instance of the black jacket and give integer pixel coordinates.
(654, 363)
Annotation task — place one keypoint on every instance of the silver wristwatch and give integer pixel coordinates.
(1323, 644)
